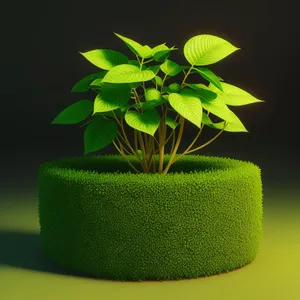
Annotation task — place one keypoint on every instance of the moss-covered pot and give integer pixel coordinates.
(100, 218)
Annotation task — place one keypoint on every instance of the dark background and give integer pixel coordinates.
(40, 63)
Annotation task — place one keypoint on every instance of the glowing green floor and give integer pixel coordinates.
(274, 274)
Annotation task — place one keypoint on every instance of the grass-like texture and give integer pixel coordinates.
(98, 217)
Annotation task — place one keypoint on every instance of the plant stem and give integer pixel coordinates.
(176, 145)
(124, 156)
(143, 152)
(207, 143)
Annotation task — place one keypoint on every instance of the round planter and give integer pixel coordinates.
(99, 218)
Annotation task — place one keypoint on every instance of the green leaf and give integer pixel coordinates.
(147, 121)
(210, 76)
(127, 74)
(105, 59)
(83, 84)
(171, 68)
(99, 133)
(171, 123)
(119, 112)
(203, 91)
(97, 83)
(134, 85)
(166, 97)
(161, 52)
(75, 113)
(236, 126)
(207, 49)
(135, 47)
(159, 48)
(154, 69)
(149, 105)
(218, 108)
(175, 87)
(137, 64)
(158, 80)
(112, 96)
(188, 105)
(152, 94)
(235, 96)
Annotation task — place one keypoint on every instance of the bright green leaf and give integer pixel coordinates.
(127, 74)
(135, 47)
(152, 94)
(83, 84)
(119, 112)
(149, 105)
(158, 80)
(154, 69)
(105, 59)
(171, 123)
(210, 76)
(188, 105)
(99, 133)
(218, 108)
(75, 113)
(175, 87)
(235, 96)
(112, 96)
(171, 68)
(161, 52)
(207, 49)
(203, 91)
(147, 122)
(236, 126)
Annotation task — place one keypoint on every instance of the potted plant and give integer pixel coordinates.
(149, 214)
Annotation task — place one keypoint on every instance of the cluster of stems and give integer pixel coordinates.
(149, 145)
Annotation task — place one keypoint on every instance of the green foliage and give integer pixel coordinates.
(137, 89)
(204, 49)
(95, 138)
(147, 121)
(188, 105)
(75, 113)
(105, 59)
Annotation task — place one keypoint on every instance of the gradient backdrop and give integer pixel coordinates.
(39, 65)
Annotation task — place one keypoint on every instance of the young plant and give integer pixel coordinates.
(136, 91)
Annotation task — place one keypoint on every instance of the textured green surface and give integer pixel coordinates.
(203, 221)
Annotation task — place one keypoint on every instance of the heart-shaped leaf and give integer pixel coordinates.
(75, 113)
(207, 49)
(147, 122)
(127, 74)
(99, 133)
(188, 105)
(235, 96)
(111, 96)
(104, 58)
(210, 76)
(83, 84)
